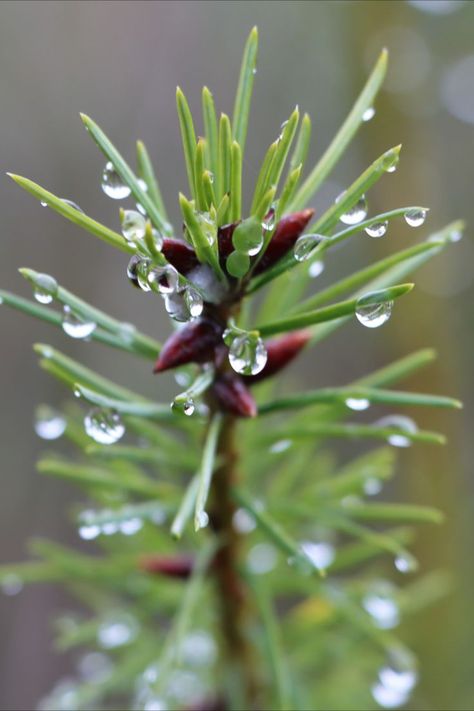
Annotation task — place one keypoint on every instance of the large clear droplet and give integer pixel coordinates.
(117, 629)
(380, 602)
(164, 280)
(130, 526)
(112, 184)
(356, 213)
(45, 289)
(75, 326)
(357, 403)
(392, 168)
(73, 204)
(403, 423)
(306, 245)
(368, 114)
(372, 313)
(142, 271)
(133, 226)
(377, 229)
(49, 423)
(268, 223)
(247, 355)
(104, 426)
(415, 218)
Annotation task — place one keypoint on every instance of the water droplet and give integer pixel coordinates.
(116, 630)
(184, 305)
(193, 301)
(268, 223)
(73, 204)
(357, 403)
(185, 407)
(401, 422)
(112, 184)
(368, 114)
(110, 528)
(133, 226)
(210, 176)
(94, 667)
(89, 532)
(247, 355)
(377, 229)
(158, 239)
(164, 280)
(356, 213)
(455, 236)
(254, 71)
(380, 602)
(198, 649)
(183, 378)
(131, 526)
(372, 313)
(75, 326)
(306, 245)
(396, 680)
(49, 423)
(372, 486)
(392, 168)
(11, 584)
(415, 218)
(281, 446)
(320, 554)
(45, 288)
(104, 426)
(262, 558)
(142, 184)
(202, 520)
(405, 563)
(43, 203)
(315, 269)
(243, 521)
(208, 226)
(127, 332)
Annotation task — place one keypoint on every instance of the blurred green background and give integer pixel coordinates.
(120, 62)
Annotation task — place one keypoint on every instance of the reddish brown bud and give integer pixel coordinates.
(181, 255)
(286, 233)
(280, 352)
(224, 239)
(195, 343)
(234, 396)
(171, 566)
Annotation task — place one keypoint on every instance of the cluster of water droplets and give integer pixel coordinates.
(116, 629)
(396, 680)
(371, 312)
(49, 424)
(125, 522)
(104, 425)
(75, 325)
(247, 352)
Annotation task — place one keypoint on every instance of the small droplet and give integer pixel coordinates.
(208, 226)
(202, 520)
(210, 176)
(262, 558)
(158, 239)
(94, 667)
(243, 521)
(396, 680)
(268, 223)
(306, 245)
(380, 602)
(371, 313)
(315, 269)
(368, 114)
(392, 168)
(43, 203)
(164, 280)
(193, 301)
(198, 649)
(254, 71)
(133, 226)
(73, 204)
(104, 426)
(142, 184)
(11, 584)
(281, 446)
(89, 532)
(356, 213)
(185, 407)
(415, 218)
(357, 403)
(127, 332)
(75, 326)
(49, 423)
(130, 526)
(320, 554)
(112, 184)
(403, 423)
(45, 288)
(247, 355)
(405, 563)
(377, 229)
(116, 630)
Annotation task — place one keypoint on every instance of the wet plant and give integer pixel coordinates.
(234, 561)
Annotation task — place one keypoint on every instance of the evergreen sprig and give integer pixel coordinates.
(260, 603)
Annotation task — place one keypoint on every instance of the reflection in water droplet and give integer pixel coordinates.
(49, 423)
(45, 288)
(401, 422)
(415, 218)
(262, 558)
(371, 313)
(117, 629)
(11, 584)
(112, 184)
(104, 426)
(356, 213)
(164, 280)
(357, 403)
(380, 602)
(368, 114)
(315, 269)
(377, 229)
(133, 226)
(320, 554)
(281, 446)
(306, 245)
(75, 326)
(247, 355)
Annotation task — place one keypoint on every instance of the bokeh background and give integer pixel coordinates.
(120, 62)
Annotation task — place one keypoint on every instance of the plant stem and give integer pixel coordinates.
(232, 593)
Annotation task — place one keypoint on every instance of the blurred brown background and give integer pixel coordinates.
(120, 62)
